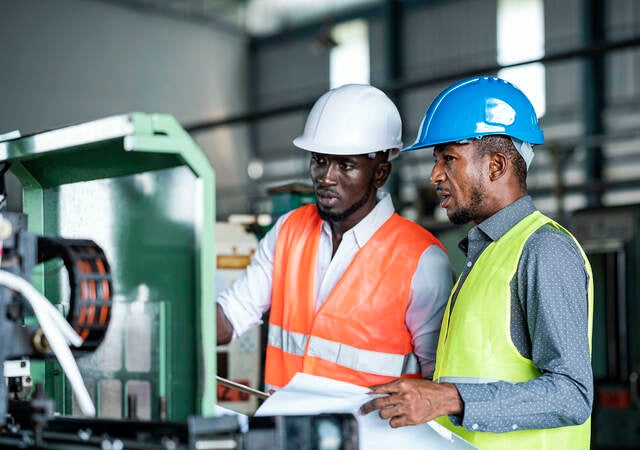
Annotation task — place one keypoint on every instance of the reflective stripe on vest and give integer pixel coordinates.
(287, 341)
(386, 364)
(467, 380)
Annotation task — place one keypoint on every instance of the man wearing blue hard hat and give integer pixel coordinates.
(513, 366)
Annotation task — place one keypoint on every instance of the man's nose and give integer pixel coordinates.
(328, 174)
(437, 175)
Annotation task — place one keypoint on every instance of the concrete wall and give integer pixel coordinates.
(72, 61)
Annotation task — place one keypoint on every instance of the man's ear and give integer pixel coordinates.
(381, 174)
(498, 164)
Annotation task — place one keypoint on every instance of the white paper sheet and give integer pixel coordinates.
(309, 394)
(243, 419)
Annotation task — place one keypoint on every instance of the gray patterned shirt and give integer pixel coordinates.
(548, 326)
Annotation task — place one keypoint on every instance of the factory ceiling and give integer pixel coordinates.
(253, 17)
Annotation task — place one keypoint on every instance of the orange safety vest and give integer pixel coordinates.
(359, 334)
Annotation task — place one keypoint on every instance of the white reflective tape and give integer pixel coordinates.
(287, 341)
(378, 363)
(467, 380)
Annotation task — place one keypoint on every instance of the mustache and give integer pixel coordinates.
(440, 190)
(326, 192)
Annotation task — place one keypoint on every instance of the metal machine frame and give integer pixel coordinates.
(140, 186)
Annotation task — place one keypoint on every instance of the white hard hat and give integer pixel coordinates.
(354, 119)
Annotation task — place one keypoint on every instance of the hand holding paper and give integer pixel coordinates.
(410, 401)
(309, 394)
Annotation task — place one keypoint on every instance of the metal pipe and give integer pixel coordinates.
(593, 96)
(400, 86)
(241, 387)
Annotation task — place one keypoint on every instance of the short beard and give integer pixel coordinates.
(340, 216)
(460, 217)
(465, 215)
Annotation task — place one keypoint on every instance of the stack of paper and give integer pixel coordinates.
(308, 394)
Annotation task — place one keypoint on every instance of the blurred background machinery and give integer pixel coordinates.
(611, 238)
(241, 360)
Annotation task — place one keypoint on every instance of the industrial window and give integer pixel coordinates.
(349, 58)
(521, 38)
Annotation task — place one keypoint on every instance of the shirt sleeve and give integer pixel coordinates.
(552, 287)
(249, 297)
(430, 288)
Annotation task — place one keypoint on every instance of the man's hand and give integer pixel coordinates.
(224, 329)
(413, 401)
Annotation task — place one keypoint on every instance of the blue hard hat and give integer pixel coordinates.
(476, 107)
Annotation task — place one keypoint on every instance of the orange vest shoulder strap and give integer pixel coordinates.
(297, 242)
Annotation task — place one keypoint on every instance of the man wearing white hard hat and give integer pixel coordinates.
(354, 291)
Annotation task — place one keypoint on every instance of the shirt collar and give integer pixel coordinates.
(498, 224)
(364, 229)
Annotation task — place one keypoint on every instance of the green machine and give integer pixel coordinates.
(140, 188)
(611, 239)
(290, 196)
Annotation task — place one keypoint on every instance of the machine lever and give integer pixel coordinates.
(241, 387)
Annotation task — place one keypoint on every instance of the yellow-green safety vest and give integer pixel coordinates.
(475, 343)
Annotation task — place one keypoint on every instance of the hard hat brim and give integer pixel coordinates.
(313, 146)
(533, 139)
(416, 146)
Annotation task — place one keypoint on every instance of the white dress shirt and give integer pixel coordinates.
(249, 297)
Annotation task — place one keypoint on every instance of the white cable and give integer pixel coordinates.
(63, 326)
(57, 334)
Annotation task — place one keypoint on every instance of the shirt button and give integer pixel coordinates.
(474, 426)
(469, 264)
(514, 427)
